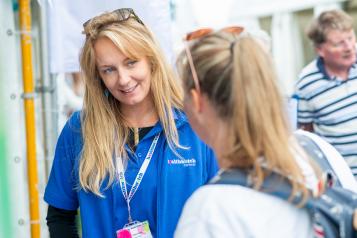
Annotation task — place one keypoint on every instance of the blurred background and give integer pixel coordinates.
(40, 85)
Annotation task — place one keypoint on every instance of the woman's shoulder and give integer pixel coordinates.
(187, 135)
(241, 200)
(72, 128)
(75, 119)
(180, 115)
(181, 121)
(238, 206)
(74, 122)
(70, 142)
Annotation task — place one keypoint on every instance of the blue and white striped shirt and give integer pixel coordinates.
(330, 104)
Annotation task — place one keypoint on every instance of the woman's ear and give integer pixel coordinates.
(196, 100)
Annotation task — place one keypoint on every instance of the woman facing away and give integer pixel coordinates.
(233, 103)
(129, 159)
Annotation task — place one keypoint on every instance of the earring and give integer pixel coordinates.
(106, 93)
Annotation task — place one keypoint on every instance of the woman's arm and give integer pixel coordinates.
(61, 223)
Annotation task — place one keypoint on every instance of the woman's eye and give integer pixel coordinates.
(131, 62)
(108, 70)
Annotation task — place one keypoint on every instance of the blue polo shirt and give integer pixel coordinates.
(166, 185)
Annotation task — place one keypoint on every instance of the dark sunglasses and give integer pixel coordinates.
(123, 14)
(200, 33)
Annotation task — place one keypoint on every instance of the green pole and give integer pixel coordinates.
(5, 204)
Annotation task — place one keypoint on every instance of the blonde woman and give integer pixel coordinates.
(129, 159)
(233, 103)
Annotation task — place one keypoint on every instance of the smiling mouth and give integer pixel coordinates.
(129, 90)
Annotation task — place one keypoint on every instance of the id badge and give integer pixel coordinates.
(135, 230)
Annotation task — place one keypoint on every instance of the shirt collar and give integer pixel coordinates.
(180, 120)
(321, 66)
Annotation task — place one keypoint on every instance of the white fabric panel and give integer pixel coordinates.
(261, 8)
(209, 15)
(13, 125)
(325, 7)
(287, 49)
(65, 26)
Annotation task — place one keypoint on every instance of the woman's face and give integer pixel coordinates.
(128, 80)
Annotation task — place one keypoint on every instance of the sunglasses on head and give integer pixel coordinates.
(200, 33)
(206, 31)
(123, 14)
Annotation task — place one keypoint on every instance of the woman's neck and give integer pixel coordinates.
(220, 133)
(143, 115)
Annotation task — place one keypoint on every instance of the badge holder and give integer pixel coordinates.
(135, 229)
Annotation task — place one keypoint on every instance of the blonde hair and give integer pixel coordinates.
(237, 76)
(103, 125)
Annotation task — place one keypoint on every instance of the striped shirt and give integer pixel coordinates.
(330, 104)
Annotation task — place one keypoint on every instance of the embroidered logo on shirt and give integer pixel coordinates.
(184, 162)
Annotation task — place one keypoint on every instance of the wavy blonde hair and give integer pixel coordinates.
(102, 120)
(237, 76)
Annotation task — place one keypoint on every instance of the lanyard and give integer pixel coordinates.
(138, 177)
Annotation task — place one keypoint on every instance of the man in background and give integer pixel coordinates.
(327, 87)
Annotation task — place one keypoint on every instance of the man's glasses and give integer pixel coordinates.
(123, 14)
(200, 33)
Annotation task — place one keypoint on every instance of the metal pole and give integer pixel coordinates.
(28, 96)
(47, 90)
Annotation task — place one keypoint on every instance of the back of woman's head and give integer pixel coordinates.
(237, 76)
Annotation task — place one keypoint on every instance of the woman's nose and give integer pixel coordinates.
(123, 77)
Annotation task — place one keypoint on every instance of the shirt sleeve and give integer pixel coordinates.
(61, 223)
(61, 187)
(305, 111)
